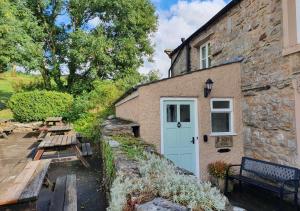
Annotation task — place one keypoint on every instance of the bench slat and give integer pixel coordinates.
(57, 202)
(70, 194)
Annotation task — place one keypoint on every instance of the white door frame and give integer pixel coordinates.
(196, 128)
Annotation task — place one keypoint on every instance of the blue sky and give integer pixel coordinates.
(166, 4)
(177, 19)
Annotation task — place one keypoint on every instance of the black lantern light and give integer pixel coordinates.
(208, 87)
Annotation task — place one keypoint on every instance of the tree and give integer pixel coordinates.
(20, 37)
(101, 39)
(152, 75)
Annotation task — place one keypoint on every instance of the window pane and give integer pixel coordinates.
(209, 62)
(203, 63)
(203, 52)
(220, 122)
(171, 113)
(209, 49)
(185, 113)
(221, 104)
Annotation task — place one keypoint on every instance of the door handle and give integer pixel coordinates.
(193, 140)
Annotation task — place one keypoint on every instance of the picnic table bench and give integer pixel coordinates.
(279, 179)
(27, 185)
(53, 120)
(60, 142)
(65, 194)
(86, 149)
(59, 129)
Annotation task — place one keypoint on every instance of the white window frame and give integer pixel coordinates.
(223, 110)
(298, 20)
(207, 57)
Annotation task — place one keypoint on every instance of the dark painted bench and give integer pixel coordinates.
(279, 179)
(65, 194)
(86, 149)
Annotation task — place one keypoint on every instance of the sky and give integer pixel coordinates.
(177, 19)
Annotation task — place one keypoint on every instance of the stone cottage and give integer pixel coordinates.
(233, 90)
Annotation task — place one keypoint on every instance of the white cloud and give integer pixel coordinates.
(181, 20)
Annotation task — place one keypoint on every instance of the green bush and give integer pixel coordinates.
(109, 169)
(38, 105)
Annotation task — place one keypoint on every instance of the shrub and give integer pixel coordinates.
(160, 178)
(218, 169)
(108, 164)
(38, 105)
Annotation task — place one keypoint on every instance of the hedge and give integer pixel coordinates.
(38, 105)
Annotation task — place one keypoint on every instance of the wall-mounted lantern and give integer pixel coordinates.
(208, 87)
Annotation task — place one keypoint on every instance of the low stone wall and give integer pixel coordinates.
(126, 167)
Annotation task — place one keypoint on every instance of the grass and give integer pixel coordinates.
(133, 147)
(8, 81)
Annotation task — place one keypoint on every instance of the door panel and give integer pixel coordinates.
(178, 134)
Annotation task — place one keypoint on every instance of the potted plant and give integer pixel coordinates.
(217, 172)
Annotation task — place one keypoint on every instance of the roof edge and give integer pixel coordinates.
(133, 89)
(207, 24)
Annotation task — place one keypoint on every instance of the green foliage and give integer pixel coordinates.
(133, 147)
(108, 164)
(159, 178)
(21, 37)
(104, 39)
(153, 75)
(7, 87)
(38, 105)
(90, 108)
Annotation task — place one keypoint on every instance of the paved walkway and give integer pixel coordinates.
(14, 154)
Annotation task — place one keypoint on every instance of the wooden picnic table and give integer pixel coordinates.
(53, 120)
(27, 185)
(58, 142)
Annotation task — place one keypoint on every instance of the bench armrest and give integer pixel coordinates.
(283, 183)
(227, 170)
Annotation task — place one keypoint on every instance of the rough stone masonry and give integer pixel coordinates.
(253, 30)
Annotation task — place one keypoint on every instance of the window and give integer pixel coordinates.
(298, 20)
(205, 56)
(171, 113)
(185, 113)
(221, 117)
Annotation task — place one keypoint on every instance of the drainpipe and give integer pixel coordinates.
(188, 57)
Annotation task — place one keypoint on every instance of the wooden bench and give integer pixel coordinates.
(65, 194)
(86, 149)
(279, 179)
(27, 185)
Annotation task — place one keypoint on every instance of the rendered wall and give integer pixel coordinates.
(227, 83)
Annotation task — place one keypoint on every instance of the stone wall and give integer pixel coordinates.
(180, 65)
(253, 30)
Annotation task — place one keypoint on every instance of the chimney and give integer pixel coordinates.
(182, 39)
(168, 52)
